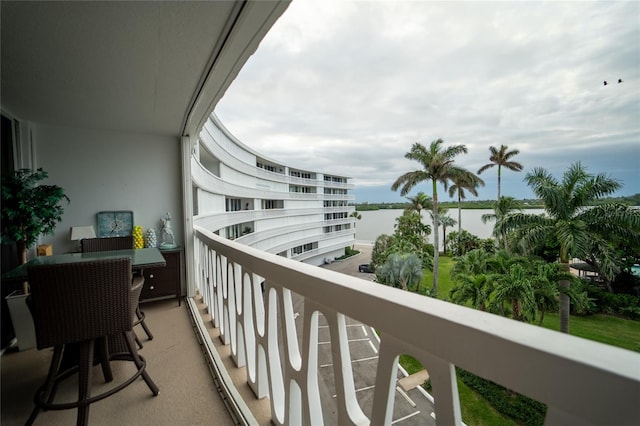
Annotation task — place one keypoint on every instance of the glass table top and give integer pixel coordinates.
(140, 259)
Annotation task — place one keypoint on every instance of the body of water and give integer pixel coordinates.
(377, 222)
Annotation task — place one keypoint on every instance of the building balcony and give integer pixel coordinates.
(262, 329)
(275, 334)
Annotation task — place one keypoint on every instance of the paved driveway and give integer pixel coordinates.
(410, 408)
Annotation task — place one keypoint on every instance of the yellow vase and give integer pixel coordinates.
(138, 240)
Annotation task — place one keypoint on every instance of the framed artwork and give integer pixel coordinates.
(115, 223)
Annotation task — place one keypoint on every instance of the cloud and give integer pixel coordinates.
(346, 87)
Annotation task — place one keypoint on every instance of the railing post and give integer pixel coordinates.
(386, 378)
(445, 390)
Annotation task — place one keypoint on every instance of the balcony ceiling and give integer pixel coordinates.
(143, 67)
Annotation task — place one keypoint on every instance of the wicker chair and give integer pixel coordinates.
(104, 244)
(79, 309)
(117, 243)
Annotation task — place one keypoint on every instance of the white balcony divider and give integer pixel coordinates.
(581, 382)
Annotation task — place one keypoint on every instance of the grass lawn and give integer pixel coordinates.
(444, 278)
(475, 409)
(601, 328)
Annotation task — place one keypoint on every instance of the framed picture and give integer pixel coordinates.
(115, 223)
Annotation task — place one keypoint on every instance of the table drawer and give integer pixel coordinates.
(165, 281)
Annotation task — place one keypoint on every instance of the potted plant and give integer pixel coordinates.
(28, 211)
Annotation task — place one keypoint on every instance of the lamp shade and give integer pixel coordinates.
(82, 232)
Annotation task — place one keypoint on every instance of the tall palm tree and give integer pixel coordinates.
(437, 166)
(357, 216)
(459, 183)
(570, 221)
(446, 222)
(502, 158)
(501, 209)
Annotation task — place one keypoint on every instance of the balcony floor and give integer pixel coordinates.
(174, 361)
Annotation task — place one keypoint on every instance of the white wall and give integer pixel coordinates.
(103, 170)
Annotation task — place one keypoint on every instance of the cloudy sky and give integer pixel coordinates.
(348, 86)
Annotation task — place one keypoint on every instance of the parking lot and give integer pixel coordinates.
(410, 408)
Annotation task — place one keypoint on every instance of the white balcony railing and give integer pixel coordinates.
(581, 382)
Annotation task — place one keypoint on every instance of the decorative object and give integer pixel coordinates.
(151, 239)
(22, 320)
(29, 209)
(168, 240)
(115, 223)
(44, 250)
(79, 233)
(138, 240)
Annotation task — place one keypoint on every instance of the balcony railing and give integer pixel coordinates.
(580, 381)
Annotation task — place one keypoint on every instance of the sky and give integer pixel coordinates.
(346, 87)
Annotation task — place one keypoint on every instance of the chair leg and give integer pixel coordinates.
(141, 317)
(103, 357)
(140, 363)
(49, 389)
(84, 377)
(138, 342)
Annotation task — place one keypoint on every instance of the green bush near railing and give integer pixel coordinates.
(522, 409)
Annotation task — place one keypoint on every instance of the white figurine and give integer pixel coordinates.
(167, 232)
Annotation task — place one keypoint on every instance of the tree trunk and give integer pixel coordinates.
(459, 219)
(22, 249)
(499, 183)
(436, 239)
(565, 303)
(444, 240)
(516, 307)
(542, 311)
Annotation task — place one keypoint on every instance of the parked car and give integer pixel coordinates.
(365, 268)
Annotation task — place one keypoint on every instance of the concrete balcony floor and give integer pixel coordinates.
(175, 362)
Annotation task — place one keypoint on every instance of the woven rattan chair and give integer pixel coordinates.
(104, 244)
(79, 309)
(117, 243)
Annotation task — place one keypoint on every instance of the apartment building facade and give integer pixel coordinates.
(243, 195)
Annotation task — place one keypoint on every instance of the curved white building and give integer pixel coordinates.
(245, 196)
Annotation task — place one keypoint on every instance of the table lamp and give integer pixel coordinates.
(81, 232)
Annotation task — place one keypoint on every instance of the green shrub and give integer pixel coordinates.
(348, 252)
(524, 410)
(614, 303)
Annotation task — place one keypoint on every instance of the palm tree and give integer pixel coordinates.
(471, 288)
(445, 221)
(502, 208)
(357, 216)
(437, 166)
(471, 263)
(545, 289)
(502, 158)
(570, 221)
(516, 287)
(419, 202)
(461, 182)
(402, 271)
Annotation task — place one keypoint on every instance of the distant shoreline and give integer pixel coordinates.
(632, 200)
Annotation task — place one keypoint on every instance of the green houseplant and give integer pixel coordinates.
(28, 209)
